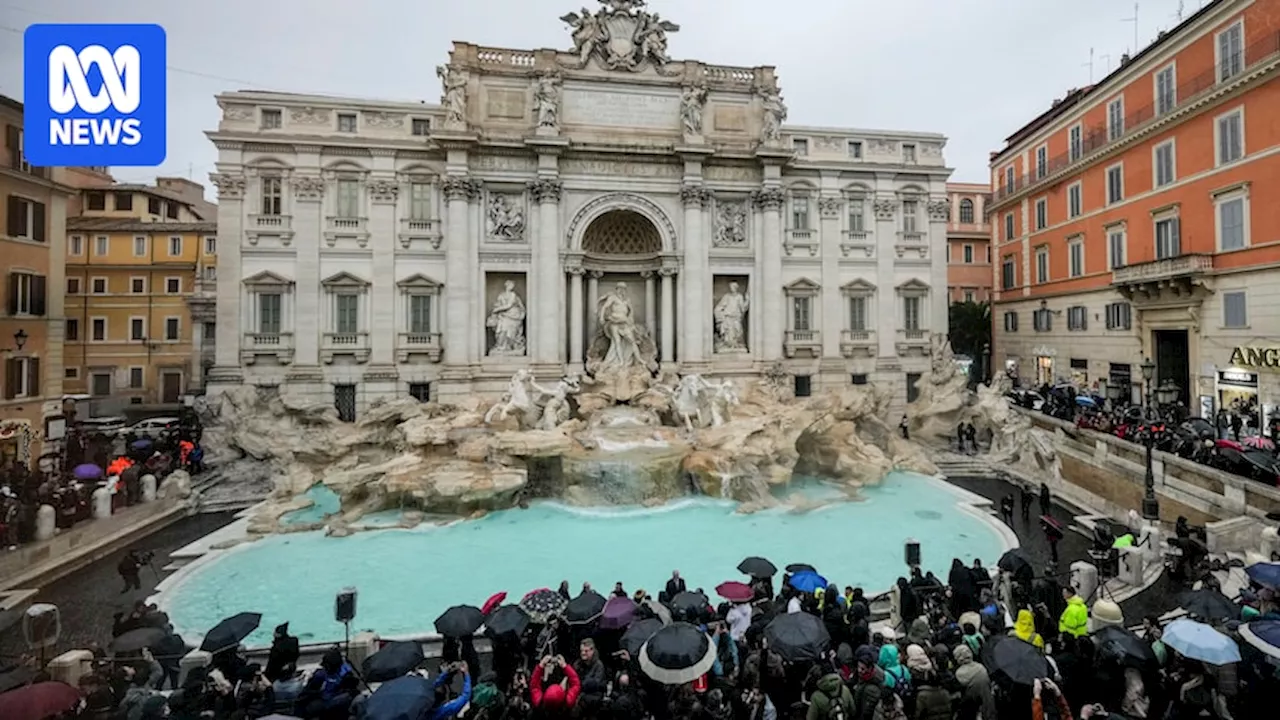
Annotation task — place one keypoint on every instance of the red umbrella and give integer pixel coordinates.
(39, 701)
(494, 601)
(1229, 444)
(735, 591)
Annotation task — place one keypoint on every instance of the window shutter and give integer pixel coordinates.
(13, 294)
(33, 377)
(37, 222)
(11, 144)
(14, 226)
(38, 294)
(10, 378)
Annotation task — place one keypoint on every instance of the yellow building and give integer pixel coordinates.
(141, 265)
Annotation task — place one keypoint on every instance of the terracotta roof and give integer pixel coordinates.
(134, 225)
(149, 190)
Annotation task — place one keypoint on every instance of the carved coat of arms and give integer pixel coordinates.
(621, 35)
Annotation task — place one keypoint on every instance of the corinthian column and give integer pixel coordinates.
(832, 313)
(548, 337)
(695, 281)
(770, 200)
(575, 318)
(458, 192)
(668, 315)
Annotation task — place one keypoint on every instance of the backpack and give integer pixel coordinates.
(835, 708)
(901, 682)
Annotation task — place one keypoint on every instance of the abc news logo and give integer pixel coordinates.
(69, 90)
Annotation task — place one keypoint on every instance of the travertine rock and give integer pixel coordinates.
(942, 397)
(1015, 442)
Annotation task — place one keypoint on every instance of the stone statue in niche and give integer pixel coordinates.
(506, 319)
(505, 218)
(731, 224)
(455, 96)
(546, 102)
(620, 343)
(730, 315)
(775, 113)
(692, 104)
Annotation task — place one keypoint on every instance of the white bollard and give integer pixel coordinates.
(46, 522)
(100, 502)
(363, 644)
(1084, 578)
(70, 666)
(1132, 566)
(148, 484)
(191, 661)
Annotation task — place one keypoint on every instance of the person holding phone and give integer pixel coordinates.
(1037, 706)
(554, 687)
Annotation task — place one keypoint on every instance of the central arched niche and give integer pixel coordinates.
(622, 233)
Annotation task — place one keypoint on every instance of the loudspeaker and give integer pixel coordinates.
(344, 605)
(41, 626)
(912, 552)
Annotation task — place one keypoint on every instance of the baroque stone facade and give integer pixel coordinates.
(378, 249)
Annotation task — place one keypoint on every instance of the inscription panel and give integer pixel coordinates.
(730, 118)
(505, 104)
(620, 168)
(621, 109)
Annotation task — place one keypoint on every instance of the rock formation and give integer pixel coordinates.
(942, 397)
(1015, 442)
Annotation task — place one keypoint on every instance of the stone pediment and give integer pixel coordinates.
(419, 282)
(344, 280)
(803, 286)
(914, 285)
(858, 287)
(268, 278)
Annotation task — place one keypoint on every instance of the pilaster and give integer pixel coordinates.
(833, 310)
(548, 277)
(770, 200)
(231, 190)
(383, 195)
(668, 315)
(695, 280)
(575, 318)
(939, 213)
(458, 192)
(885, 207)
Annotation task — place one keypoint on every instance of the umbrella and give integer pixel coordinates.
(135, 640)
(16, 678)
(459, 621)
(542, 604)
(659, 610)
(801, 567)
(618, 613)
(808, 581)
(1018, 660)
(735, 591)
(229, 632)
(87, 471)
(757, 567)
(677, 654)
(1264, 635)
(507, 621)
(1121, 645)
(1198, 641)
(688, 606)
(1228, 444)
(1258, 443)
(493, 602)
(1086, 401)
(1016, 563)
(1265, 573)
(39, 701)
(392, 661)
(1209, 605)
(406, 698)
(797, 637)
(638, 633)
(584, 608)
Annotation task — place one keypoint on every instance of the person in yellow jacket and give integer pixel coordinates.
(1024, 628)
(1075, 618)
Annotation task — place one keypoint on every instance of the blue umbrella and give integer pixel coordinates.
(1264, 635)
(1198, 641)
(1265, 574)
(408, 697)
(808, 581)
(87, 471)
(1086, 401)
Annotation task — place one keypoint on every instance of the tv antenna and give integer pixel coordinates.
(1133, 20)
(1181, 7)
(1090, 66)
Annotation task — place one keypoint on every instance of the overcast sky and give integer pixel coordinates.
(975, 70)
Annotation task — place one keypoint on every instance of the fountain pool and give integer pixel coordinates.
(407, 577)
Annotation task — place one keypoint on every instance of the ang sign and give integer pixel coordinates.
(1256, 357)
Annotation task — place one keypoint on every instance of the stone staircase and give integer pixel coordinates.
(954, 464)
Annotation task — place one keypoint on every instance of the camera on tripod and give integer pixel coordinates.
(1103, 553)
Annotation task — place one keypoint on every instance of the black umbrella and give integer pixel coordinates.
(757, 567)
(688, 606)
(136, 639)
(229, 632)
(801, 567)
(405, 698)
(509, 621)
(1209, 605)
(638, 633)
(1016, 660)
(584, 608)
(797, 637)
(459, 621)
(1122, 646)
(1016, 563)
(392, 661)
(677, 654)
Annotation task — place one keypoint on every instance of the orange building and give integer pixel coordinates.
(1124, 224)
(968, 243)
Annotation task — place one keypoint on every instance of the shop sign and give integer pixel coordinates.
(1235, 376)
(1256, 357)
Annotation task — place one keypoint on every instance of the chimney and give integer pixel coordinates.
(1056, 102)
(1124, 59)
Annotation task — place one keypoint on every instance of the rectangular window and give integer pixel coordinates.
(1230, 131)
(1008, 226)
(1008, 179)
(75, 245)
(802, 386)
(210, 331)
(802, 314)
(1115, 184)
(857, 216)
(173, 285)
(968, 254)
(1042, 213)
(968, 296)
(1075, 203)
(908, 154)
(95, 201)
(175, 246)
(911, 313)
(859, 379)
(1042, 265)
(855, 149)
(1075, 142)
(22, 375)
(1164, 163)
(1008, 273)
(913, 386)
(71, 373)
(73, 286)
(1115, 119)
(272, 119)
(421, 127)
(910, 216)
(139, 245)
(346, 123)
(419, 201)
(799, 213)
(171, 210)
(1077, 318)
(966, 211)
(1231, 52)
(348, 198)
(98, 329)
(98, 286)
(272, 196)
(27, 294)
(858, 313)
(420, 391)
(153, 206)
(1115, 248)
(210, 272)
(211, 246)
(419, 313)
(172, 328)
(138, 286)
(1075, 258)
(1119, 316)
(1168, 239)
(137, 329)
(71, 331)
(1011, 322)
(1234, 310)
(124, 201)
(101, 245)
(1166, 90)
(1042, 320)
(269, 306)
(1231, 224)
(136, 377)
(101, 383)
(346, 314)
(800, 146)
(1042, 161)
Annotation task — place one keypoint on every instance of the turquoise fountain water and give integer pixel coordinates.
(324, 502)
(407, 577)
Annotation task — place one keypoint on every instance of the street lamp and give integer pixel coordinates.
(1150, 505)
(1167, 393)
(19, 339)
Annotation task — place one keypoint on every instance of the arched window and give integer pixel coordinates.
(966, 211)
